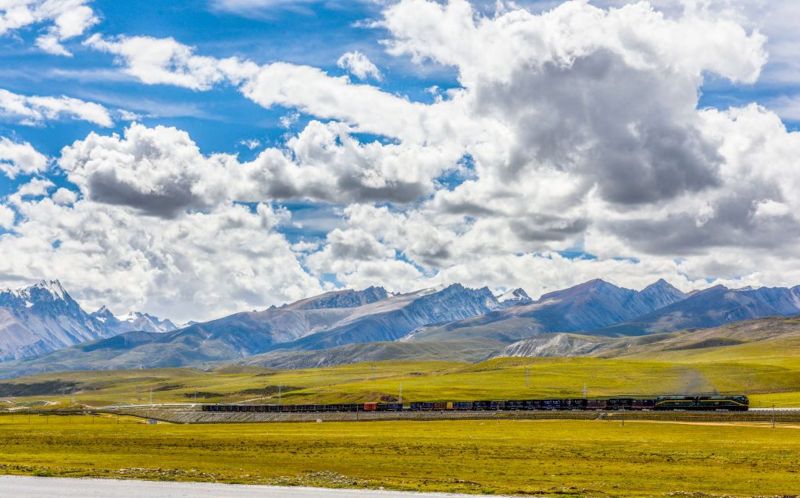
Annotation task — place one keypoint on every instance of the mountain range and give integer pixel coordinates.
(43, 329)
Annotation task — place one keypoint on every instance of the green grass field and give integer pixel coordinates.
(564, 458)
(769, 381)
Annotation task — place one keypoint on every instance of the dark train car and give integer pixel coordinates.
(390, 407)
(550, 404)
(531, 404)
(574, 404)
(642, 404)
(463, 405)
(595, 404)
(618, 404)
(421, 406)
(514, 405)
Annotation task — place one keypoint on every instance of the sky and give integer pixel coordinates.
(194, 158)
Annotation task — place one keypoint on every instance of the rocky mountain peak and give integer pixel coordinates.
(514, 297)
(342, 299)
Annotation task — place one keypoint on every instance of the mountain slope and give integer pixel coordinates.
(586, 307)
(394, 318)
(373, 351)
(765, 339)
(43, 318)
(713, 307)
(309, 324)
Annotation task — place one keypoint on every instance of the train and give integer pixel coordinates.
(659, 403)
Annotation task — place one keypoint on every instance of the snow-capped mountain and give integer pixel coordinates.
(134, 320)
(43, 318)
(513, 298)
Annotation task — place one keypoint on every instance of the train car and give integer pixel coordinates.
(619, 404)
(550, 404)
(595, 404)
(702, 403)
(514, 405)
(463, 405)
(574, 404)
(642, 404)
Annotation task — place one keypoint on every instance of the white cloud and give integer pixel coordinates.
(165, 61)
(7, 216)
(251, 144)
(64, 20)
(199, 266)
(268, 8)
(576, 129)
(159, 171)
(359, 65)
(20, 158)
(64, 197)
(35, 110)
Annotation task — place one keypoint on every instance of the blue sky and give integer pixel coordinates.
(466, 196)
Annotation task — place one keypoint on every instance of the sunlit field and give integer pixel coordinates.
(768, 380)
(530, 457)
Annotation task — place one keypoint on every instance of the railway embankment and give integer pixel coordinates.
(195, 416)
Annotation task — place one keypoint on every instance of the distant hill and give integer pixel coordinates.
(765, 337)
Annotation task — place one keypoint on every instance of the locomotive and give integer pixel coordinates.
(660, 403)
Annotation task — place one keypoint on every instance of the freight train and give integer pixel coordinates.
(660, 403)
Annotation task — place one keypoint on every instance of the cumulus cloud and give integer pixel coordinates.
(34, 110)
(7, 217)
(159, 171)
(575, 130)
(64, 20)
(20, 158)
(324, 162)
(201, 265)
(359, 65)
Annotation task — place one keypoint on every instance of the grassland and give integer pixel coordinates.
(567, 458)
(769, 381)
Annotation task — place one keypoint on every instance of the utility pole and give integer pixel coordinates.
(401, 393)
(280, 389)
(584, 390)
(527, 377)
